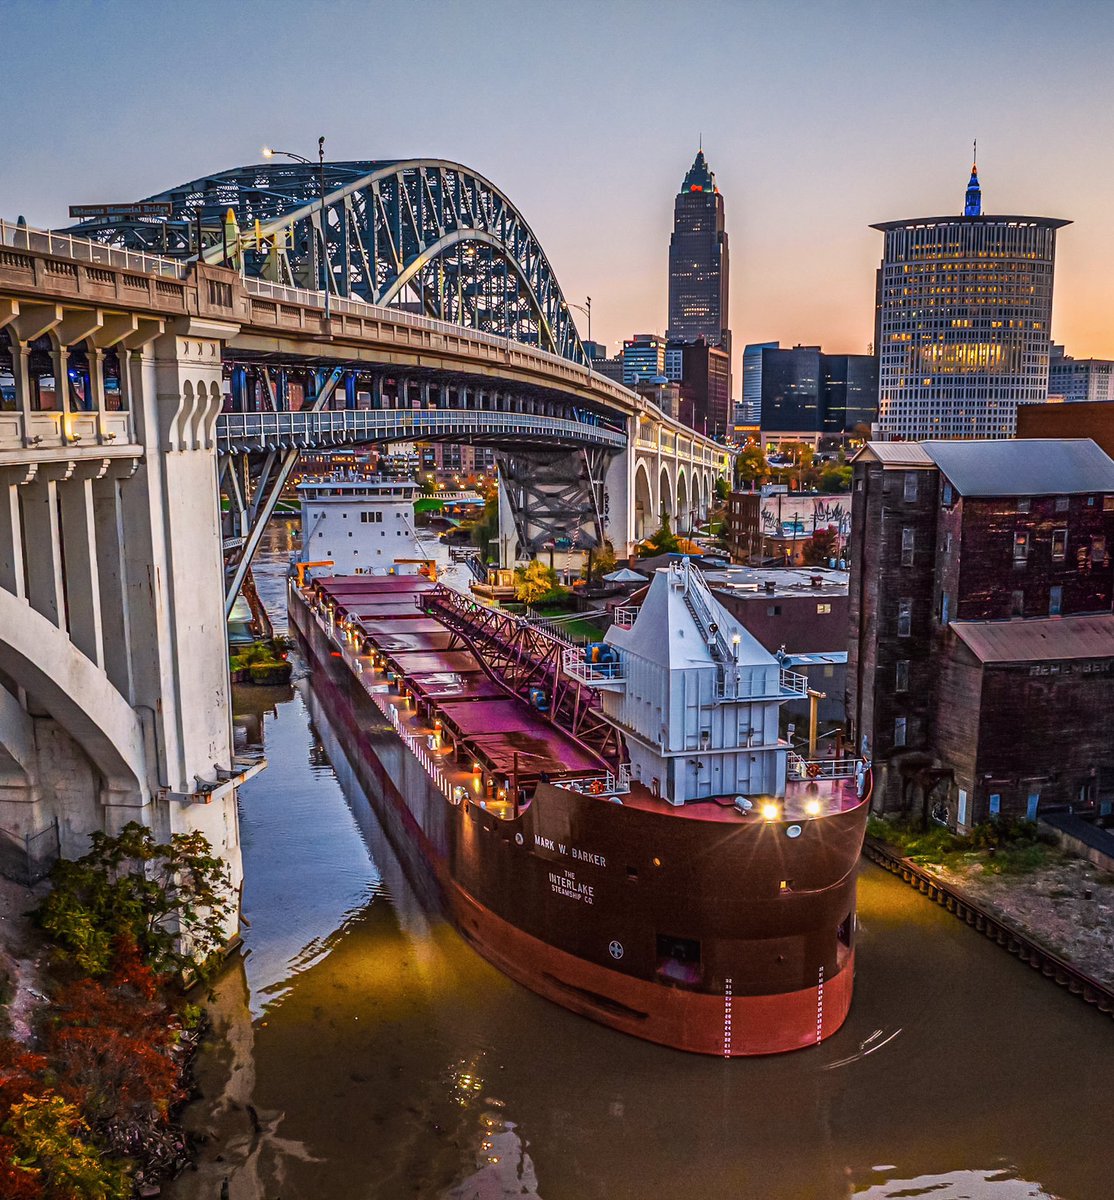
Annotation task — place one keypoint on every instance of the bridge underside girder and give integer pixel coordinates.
(552, 495)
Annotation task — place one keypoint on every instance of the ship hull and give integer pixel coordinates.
(716, 936)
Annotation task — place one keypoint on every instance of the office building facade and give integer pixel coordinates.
(1076, 380)
(643, 358)
(807, 395)
(752, 380)
(964, 306)
(699, 266)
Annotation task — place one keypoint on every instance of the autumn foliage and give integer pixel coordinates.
(86, 1115)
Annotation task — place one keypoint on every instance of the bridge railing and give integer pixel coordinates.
(64, 245)
(303, 429)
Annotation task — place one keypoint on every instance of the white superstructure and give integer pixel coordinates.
(695, 695)
(365, 526)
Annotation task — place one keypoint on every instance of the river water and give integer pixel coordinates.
(364, 1051)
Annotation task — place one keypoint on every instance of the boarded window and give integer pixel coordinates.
(901, 675)
(899, 731)
(911, 479)
(1059, 545)
(908, 538)
(1055, 600)
(1017, 603)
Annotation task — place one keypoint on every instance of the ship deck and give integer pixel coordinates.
(472, 736)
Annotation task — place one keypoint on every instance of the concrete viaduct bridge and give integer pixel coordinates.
(131, 384)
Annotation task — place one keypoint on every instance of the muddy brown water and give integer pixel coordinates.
(365, 1051)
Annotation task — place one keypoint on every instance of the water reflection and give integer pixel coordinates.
(387, 1060)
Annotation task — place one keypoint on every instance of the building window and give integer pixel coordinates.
(823, 608)
(773, 610)
(947, 492)
(1059, 545)
(904, 617)
(1055, 600)
(910, 485)
(901, 675)
(907, 538)
(1098, 551)
(945, 608)
(1023, 504)
(1061, 504)
(899, 732)
(1108, 504)
(1017, 603)
(995, 803)
(1020, 548)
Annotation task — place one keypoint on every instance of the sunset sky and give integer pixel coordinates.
(818, 119)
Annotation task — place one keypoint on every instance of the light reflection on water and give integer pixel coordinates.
(370, 1053)
(958, 1185)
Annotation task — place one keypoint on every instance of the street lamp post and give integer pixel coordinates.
(586, 309)
(326, 281)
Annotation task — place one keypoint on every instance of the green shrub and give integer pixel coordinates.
(171, 899)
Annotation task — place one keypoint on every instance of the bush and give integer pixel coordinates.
(51, 1138)
(170, 900)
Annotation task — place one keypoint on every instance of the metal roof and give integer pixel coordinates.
(1038, 640)
(895, 454)
(1024, 466)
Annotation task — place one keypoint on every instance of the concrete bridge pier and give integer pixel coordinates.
(114, 694)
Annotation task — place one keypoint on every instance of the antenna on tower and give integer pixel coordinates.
(974, 154)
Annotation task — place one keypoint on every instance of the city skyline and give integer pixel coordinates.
(858, 140)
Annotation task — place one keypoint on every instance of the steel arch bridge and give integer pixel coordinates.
(430, 236)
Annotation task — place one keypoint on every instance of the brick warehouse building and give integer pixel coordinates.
(981, 656)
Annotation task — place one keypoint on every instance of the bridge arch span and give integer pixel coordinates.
(424, 230)
(38, 656)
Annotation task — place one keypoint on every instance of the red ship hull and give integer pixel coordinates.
(694, 928)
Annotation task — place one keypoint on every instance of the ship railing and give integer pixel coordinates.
(804, 769)
(793, 683)
(609, 784)
(575, 661)
(758, 683)
(626, 615)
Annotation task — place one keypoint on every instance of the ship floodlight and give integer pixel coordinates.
(770, 812)
(812, 807)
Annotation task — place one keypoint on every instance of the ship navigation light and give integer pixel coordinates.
(812, 807)
(770, 811)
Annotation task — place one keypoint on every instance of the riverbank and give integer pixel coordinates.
(1060, 902)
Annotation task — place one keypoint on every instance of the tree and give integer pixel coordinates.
(533, 581)
(603, 561)
(835, 479)
(663, 541)
(822, 546)
(751, 466)
(170, 899)
(721, 489)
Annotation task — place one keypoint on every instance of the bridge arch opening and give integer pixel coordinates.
(684, 516)
(667, 500)
(643, 503)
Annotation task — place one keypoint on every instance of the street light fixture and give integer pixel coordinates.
(271, 152)
(586, 309)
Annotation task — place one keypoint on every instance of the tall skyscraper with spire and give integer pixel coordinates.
(964, 308)
(698, 261)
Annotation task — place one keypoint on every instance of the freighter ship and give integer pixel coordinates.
(618, 827)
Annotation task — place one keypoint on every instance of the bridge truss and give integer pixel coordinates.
(424, 234)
